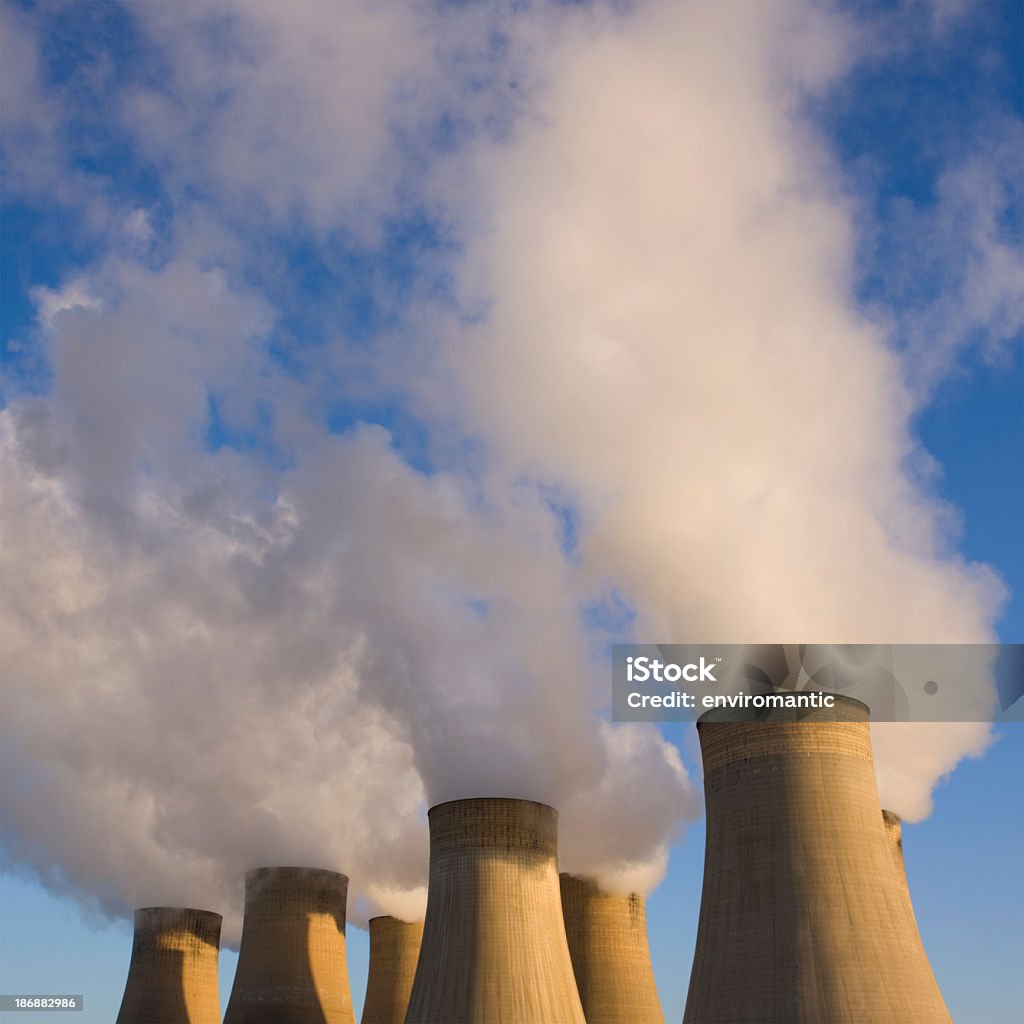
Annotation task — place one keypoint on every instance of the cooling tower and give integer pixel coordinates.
(394, 950)
(494, 948)
(172, 978)
(291, 962)
(802, 918)
(608, 944)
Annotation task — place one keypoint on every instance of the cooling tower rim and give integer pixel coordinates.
(594, 886)
(391, 917)
(179, 910)
(891, 817)
(478, 800)
(588, 880)
(298, 870)
(781, 716)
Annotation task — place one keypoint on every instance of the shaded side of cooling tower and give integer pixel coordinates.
(803, 918)
(494, 948)
(292, 967)
(394, 950)
(894, 834)
(607, 937)
(172, 978)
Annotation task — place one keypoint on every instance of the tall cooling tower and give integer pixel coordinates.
(494, 948)
(291, 963)
(608, 944)
(394, 950)
(802, 918)
(172, 978)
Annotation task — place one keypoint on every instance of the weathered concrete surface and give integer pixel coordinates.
(292, 967)
(607, 937)
(394, 950)
(172, 978)
(803, 917)
(494, 947)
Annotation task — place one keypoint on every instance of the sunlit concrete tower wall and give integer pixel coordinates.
(394, 950)
(494, 948)
(291, 963)
(172, 978)
(607, 937)
(803, 918)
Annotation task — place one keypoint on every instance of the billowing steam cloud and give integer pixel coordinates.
(668, 270)
(235, 637)
(212, 666)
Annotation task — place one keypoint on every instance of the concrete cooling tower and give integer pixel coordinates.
(494, 948)
(394, 950)
(291, 962)
(172, 978)
(803, 918)
(607, 937)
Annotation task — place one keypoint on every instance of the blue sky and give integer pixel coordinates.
(366, 374)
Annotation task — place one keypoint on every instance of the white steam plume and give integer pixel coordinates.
(211, 666)
(672, 340)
